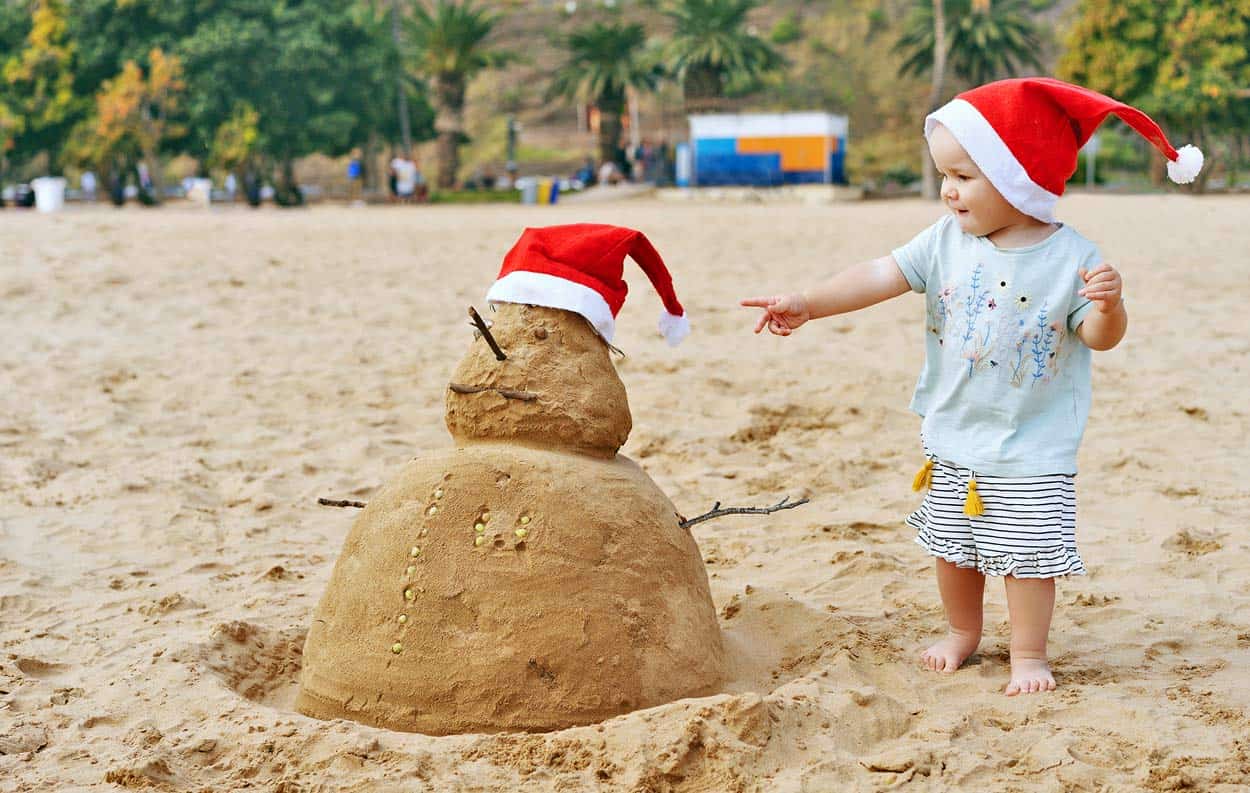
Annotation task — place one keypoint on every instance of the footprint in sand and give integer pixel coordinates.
(258, 663)
(38, 668)
(1193, 542)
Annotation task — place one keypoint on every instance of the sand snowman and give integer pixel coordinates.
(530, 578)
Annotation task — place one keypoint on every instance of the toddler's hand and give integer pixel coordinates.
(783, 314)
(1103, 286)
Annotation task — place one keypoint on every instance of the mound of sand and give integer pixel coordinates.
(514, 583)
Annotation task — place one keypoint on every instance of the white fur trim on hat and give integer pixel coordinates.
(1187, 165)
(993, 157)
(552, 291)
(675, 328)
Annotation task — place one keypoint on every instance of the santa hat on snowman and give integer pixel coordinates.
(1024, 135)
(578, 268)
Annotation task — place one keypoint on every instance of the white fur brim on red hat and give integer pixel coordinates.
(550, 291)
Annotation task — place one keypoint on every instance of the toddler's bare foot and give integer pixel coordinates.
(1030, 676)
(950, 653)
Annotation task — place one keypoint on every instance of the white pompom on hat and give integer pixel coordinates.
(578, 267)
(1024, 135)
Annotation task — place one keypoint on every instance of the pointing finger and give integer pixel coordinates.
(758, 302)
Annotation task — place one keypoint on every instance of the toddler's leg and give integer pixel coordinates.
(1030, 604)
(962, 590)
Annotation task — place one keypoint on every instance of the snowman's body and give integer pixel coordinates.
(529, 579)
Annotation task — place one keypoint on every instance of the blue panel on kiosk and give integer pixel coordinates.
(717, 162)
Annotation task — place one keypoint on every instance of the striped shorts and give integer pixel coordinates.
(1028, 529)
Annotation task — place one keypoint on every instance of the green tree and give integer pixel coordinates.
(312, 76)
(1184, 62)
(604, 60)
(14, 27)
(40, 105)
(323, 86)
(235, 142)
(132, 117)
(449, 42)
(711, 48)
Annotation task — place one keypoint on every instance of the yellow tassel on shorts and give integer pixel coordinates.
(973, 505)
(924, 477)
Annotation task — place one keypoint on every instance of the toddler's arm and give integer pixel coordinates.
(858, 286)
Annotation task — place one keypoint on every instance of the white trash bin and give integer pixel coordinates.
(49, 193)
(528, 186)
(201, 192)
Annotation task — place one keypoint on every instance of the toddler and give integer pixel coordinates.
(1015, 303)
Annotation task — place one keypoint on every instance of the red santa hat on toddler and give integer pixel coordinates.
(578, 268)
(1024, 135)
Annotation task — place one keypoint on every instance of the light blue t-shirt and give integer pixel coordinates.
(1005, 388)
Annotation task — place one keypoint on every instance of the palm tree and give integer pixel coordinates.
(711, 47)
(977, 40)
(984, 42)
(604, 60)
(449, 42)
(937, 74)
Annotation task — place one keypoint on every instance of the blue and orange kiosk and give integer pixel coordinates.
(768, 149)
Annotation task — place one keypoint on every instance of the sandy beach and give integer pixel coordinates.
(178, 387)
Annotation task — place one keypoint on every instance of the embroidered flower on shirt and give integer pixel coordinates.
(1043, 344)
(1004, 284)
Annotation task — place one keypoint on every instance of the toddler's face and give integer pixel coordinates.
(976, 204)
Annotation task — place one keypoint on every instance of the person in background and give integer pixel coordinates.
(639, 162)
(392, 178)
(651, 163)
(609, 174)
(667, 165)
(420, 190)
(355, 179)
(88, 184)
(586, 174)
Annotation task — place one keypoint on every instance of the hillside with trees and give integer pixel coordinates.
(263, 88)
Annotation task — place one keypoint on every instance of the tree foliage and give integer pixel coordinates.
(984, 42)
(40, 104)
(133, 112)
(450, 47)
(603, 61)
(712, 47)
(302, 76)
(1184, 62)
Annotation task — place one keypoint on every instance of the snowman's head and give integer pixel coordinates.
(556, 388)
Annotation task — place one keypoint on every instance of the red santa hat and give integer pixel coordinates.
(1024, 135)
(578, 268)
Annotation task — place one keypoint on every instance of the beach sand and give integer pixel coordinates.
(178, 387)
